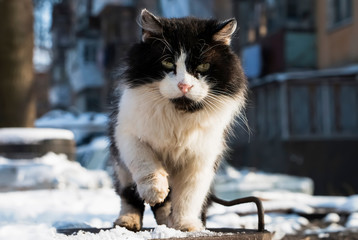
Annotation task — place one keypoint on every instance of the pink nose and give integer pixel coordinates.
(184, 88)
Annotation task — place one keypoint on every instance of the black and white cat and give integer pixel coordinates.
(180, 91)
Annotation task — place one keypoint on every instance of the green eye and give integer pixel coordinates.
(203, 67)
(168, 65)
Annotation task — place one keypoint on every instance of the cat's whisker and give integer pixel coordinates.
(165, 42)
(210, 48)
(217, 99)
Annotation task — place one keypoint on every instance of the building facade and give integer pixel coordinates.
(92, 37)
(338, 33)
(303, 106)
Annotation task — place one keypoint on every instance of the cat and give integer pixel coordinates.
(177, 98)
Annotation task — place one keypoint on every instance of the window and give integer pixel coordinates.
(292, 9)
(90, 53)
(339, 12)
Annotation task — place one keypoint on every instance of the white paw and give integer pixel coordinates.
(154, 188)
(188, 225)
(131, 221)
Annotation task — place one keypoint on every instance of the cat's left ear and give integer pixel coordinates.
(225, 30)
(151, 25)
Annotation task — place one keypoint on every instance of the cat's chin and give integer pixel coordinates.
(186, 104)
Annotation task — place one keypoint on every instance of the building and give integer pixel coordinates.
(303, 107)
(91, 38)
(63, 38)
(338, 33)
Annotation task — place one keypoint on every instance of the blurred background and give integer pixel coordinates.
(58, 58)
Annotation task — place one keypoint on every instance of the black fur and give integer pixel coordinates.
(186, 104)
(132, 197)
(195, 37)
(160, 205)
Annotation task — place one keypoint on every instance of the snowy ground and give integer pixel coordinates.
(62, 194)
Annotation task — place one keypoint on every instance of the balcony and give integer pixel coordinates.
(282, 51)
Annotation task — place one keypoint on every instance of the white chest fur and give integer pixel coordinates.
(176, 136)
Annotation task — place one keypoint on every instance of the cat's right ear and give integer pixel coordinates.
(225, 31)
(151, 25)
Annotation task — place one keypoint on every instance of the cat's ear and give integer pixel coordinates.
(225, 30)
(150, 25)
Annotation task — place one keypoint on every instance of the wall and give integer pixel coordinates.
(337, 46)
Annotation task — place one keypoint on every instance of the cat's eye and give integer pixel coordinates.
(168, 65)
(203, 67)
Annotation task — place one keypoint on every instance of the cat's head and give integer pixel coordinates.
(189, 60)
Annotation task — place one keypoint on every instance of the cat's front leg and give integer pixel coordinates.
(147, 171)
(189, 192)
(153, 187)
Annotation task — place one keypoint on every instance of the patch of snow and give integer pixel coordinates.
(335, 202)
(32, 135)
(28, 231)
(46, 210)
(79, 201)
(96, 208)
(95, 154)
(332, 218)
(282, 224)
(323, 235)
(42, 59)
(49, 172)
(82, 124)
(350, 205)
(231, 183)
(334, 227)
(99, 143)
(159, 232)
(352, 221)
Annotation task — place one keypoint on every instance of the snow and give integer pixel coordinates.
(334, 227)
(332, 218)
(50, 171)
(282, 77)
(42, 59)
(71, 196)
(230, 182)
(95, 154)
(32, 135)
(62, 118)
(81, 124)
(352, 221)
(341, 204)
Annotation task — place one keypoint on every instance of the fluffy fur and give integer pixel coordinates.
(180, 91)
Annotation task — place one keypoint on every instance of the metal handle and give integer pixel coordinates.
(257, 201)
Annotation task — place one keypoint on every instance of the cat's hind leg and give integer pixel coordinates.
(132, 205)
(162, 211)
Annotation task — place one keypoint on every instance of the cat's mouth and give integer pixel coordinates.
(186, 104)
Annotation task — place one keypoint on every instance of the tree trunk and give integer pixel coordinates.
(17, 95)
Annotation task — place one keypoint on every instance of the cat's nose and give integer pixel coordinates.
(184, 88)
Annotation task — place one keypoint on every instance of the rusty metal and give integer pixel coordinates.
(257, 201)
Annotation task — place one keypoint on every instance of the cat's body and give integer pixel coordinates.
(180, 92)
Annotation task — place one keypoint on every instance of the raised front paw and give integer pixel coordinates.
(154, 188)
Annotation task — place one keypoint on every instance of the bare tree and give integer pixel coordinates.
(17, 97)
